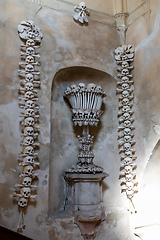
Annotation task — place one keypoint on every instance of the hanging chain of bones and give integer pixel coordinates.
(124, 56)
(86, 110)
(28, 72)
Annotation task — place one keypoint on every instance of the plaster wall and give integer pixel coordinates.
(66, 44)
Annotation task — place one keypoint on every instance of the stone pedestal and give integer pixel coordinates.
(87, 204)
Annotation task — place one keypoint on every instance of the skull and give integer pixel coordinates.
(127, 123)
(29, 112)
(28, 141)
(28, 160)
(124, 79)
(125, 64)
(126, 116)
(30, 42)
(29, 86)
(127, 160)
(125, 109)
(29, 104)
(118, 53)
(129, 185)
(28, 170)
(128, 169)
(26, 192)
(127, 138)
(125, 86)
(22, 202)
(127, 131)
(28, 131)
(67, 91)
(128, 153)
(91, 86)
(28, 150)
(30, 51)
(130, 193)
(125, 94)
(125, 101)
(29, 121)
(29, 77)
(82, 86)
(74, 88)
(127, 146)
(129, 177)
(29, 59)
(29, 95)
(82, 5)
(99, 89)
(29, 68)
(27, 181)
(125, 71)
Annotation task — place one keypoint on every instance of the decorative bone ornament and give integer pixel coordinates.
(124, 56)
(81, 13)
(31, 36)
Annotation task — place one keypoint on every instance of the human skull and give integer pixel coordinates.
(29, 59)
(126, 116)
(28, 170)
(29, 77)
(29, 121)
(127, 160)
(26, 181)
(29, 68)
(29, 104)
(26, 192)
(29, 112)
(28, 131)
(28, 160)
(118, 53)
(125, 71)
(82, 86)
(28, 150)
(129, 177)
(127, 138)
(125, 94)
(82, 5)
(67, 91)
(127, 123)
(29, 95)
(30, 50)
(99, 89)
(28, 141)
(127, 146)
(125, 64)
(29, 86)
(129, 185)
(125, 109)
(127, 131)
(125, 101)
(125, 86)
(128, 169)
(91, 86)
(128, 153)
(125, 79)
(22, 202)
(130, 193)
(30, 42)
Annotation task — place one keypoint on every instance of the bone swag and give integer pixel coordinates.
(124, 56)
(29, 75)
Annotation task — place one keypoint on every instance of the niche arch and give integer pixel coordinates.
(64, 143)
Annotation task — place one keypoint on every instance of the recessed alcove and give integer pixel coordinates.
(64, 142)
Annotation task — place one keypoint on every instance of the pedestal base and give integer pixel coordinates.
(87, 204)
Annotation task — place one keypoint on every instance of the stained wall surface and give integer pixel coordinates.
(67, 45)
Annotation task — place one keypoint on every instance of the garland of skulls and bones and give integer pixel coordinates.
(31, 36)
(124, 56)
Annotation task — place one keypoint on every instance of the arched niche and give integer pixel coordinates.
(64, 142)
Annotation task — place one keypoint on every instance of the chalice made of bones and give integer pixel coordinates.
(86, 110)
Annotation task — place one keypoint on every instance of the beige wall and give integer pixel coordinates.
(67, 44)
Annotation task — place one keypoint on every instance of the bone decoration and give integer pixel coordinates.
(29, 75)
(124, 56)
(81, 13)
